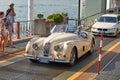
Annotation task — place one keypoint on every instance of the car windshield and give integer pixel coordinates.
(64, 28)
(108, 19)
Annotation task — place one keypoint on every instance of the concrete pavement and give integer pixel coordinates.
(19, 46)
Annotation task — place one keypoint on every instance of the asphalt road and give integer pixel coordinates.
(23, 69)
(109, 72)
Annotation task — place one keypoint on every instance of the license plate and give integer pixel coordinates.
(44, 60)
(103, 32)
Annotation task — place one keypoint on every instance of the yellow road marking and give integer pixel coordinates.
(11, 58)
(74, 76)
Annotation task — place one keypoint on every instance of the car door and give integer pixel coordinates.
(83, 44)
(86, 40)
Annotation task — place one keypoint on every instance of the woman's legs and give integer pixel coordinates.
(4, 42)
(0, 43)
(11, 41)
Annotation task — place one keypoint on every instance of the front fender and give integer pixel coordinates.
(68, 46)
(30, 43)
(28, 46)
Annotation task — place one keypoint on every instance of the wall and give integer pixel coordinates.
(92, 7)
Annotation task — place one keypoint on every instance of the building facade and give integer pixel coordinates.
(91, 7)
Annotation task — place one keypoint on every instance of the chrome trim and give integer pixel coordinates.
(29, 56)
(62, 60)
(105, 33)
(46, 48)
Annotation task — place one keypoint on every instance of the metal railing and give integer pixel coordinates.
(23, 29)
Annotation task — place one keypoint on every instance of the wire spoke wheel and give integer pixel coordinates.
(72, 57)
(92, 48)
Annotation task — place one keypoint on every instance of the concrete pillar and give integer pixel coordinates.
(30, 10)
(30, 16)
(81, 10)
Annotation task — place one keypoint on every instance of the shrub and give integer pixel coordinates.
(40, 16)
(65, 14)
(57, 18)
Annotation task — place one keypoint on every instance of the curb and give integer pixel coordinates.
(16, 41)
(12, 52)
(21, 40)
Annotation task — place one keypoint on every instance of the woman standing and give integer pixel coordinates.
(3, 32)
(9, 26)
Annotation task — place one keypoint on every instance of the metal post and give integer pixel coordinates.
(105, 6)
(100, 52)
(79, 2)
(18, 29)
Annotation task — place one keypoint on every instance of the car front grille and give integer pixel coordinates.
(46, 49)
(100, 29)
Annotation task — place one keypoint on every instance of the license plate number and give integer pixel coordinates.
(44, 60)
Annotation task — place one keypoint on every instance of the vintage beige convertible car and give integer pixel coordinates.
(63, 45)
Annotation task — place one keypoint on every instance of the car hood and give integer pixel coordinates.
(103, 25)
(60, 37)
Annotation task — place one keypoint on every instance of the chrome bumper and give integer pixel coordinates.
(50, 59)
(29, 56)
(104, 33)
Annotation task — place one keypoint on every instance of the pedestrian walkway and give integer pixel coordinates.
(19, 46)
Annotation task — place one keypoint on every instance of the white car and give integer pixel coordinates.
(61, 46)
(108, 24)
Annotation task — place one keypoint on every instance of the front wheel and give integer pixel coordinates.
(33, 60)
(73, 57)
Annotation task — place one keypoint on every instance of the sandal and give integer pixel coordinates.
(7, 45)
(13, 46)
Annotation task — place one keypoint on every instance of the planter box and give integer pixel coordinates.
(42, 28)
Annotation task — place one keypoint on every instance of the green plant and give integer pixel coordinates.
(64, 14)
(57, 18)
(40, 16)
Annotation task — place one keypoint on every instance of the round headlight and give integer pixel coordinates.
(35, 46)
(58, 48)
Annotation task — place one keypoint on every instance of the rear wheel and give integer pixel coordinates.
(73, 57)
(116, 34)
(92, 47)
